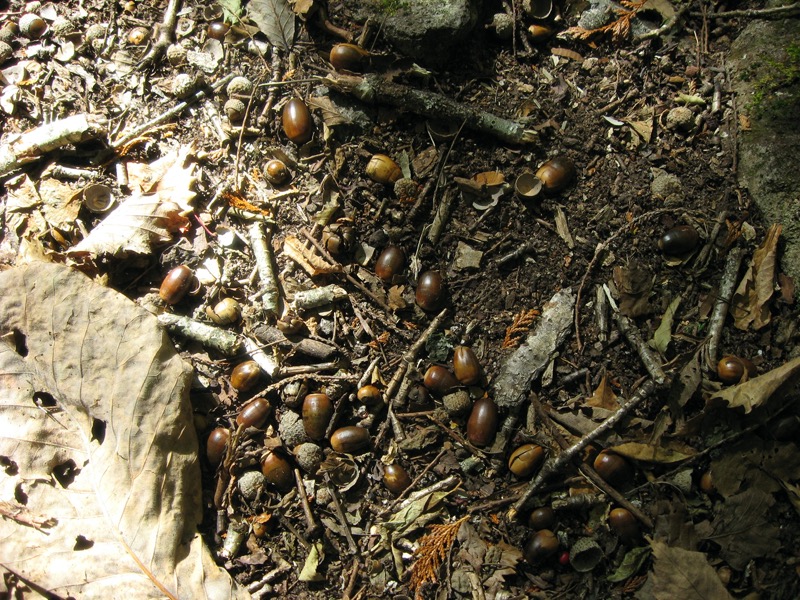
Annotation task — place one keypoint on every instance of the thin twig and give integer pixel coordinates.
(727, 285)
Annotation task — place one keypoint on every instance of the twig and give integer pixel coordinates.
(441, 216)
(554, 466)
(705, 253)
(757, 13)
(650, 359)
(225, 342)
(164, 31)
(340, 513)
(175, 110)
(444, 484)
(311, 524)
(262, 252)
(375, 89)
(727, 285)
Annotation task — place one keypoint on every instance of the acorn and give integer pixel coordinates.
(439, 380)
(351, 440)
(289, 324)
(138, 36)
(245, 375)
(542, 545)
(317, 413)
(348, 57)
(277, 172)
(396, 478)
(526, 460)
(482, 423)
(216, 444)
(278, 471)
(224, 312)
(339, 239)
(32, 26)
(543, 517)
(254, 413)
(297, 122)
(369, 395)
(734, 369)
(176, 284)
(430, 292)
(556, 174)
(382, 169)
(217, 30)
(624, 524)
(466, 366)
(235, 110)
(613, 468)
(706, 483)
(390, 263)
(679, 240)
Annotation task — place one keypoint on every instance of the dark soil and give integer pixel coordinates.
(579, 105)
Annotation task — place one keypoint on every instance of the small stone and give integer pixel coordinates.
(458, 403)
(664, 184)
(503, 24)
(250, 484)
(183, 85)
(680, 118)
(291, 430)
(239, 86)
(309, 456)
(176, 54)
(5, 52)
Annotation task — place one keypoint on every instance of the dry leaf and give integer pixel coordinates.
(275, 19)
(108, 454)
(650, 453)
(750, 305)
(306, 257)
(604, 396)
(684, 574)
(756, 391)
(331, 115)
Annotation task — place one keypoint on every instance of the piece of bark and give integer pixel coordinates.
(209, 336)
(270, 336)
(375, 89)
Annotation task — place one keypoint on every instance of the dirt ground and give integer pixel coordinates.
(607, 107)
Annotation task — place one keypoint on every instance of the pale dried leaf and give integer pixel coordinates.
(302, 7)
(756, 391)
(650, 453)
(231, 9)
(316, 555)
(663, 335)
(275, 19)
(119, 415)
(684, 574)
(331, 115)
(306, 257)
(751, 302)
(604, 396)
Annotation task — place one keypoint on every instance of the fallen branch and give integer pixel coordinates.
(262, 252)
(727, 285)
(374, 89)
(163, 34)
(20, 149)
(755, 13)
(225, 342)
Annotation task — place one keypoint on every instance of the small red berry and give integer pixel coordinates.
(563, 558)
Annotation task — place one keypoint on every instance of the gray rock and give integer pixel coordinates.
(309, 456)
(291, 429)
(425, 30)
(771, 146)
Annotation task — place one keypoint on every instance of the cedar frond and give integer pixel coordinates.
(519, 326)
(619, 29)
(433, 548)
(379, 341)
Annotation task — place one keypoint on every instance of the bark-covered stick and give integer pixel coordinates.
(374, 89)
(21, 149)
(218, 339)
(727, 285)
(262, 251)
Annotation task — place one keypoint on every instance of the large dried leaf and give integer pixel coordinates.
(98, 428)
(651, 453)
(604, 396)
(684, 574)
(756, 391)
(275, 19)
(663, 335)
(751, 301)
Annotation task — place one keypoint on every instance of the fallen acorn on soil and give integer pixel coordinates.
(245, 375)
(278, 471)
(542, 545)
(297, 122)
(317, 413)
(613, 468)
(466, 366)
(176, 284)
(396, 478)
(526, 460)
(734, 369)
(439, 380)
(215, 445)
(482, 423)
(254, 413)
(350, 440)
(390, 262)
(679, 240)
(430, 291)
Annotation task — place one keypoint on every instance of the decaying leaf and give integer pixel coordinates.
(604, 396)
(110, 451)
(231, 9)
(275, 19)
(634, 284)
(756, 391)
(650, 453)
(663, 335)
(316, 554)
(684, 574)
(633, 561)
(752, 300)
(312, 263)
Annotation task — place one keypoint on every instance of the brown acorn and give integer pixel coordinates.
(278, 471)
(482, 423)
(439, 380)
(466, 366)
(254, 413)
(613, 468)
(351, 440)
(396, 479)
(430, 291)
(317, 413)
(297, 122)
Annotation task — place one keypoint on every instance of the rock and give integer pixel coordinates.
(680, 118)
(664, 184)
(291, 430)
(771, 100)
(425, 30)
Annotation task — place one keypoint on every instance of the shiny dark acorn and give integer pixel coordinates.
(439, 380)
(556, 174)
(278, 471)
(351, 440)
(348, 57)
(297, 122)
(526, 460)
(390, 263)
(541, 546)
(215, 446)
(317, 413)
(679, 240)
(543, 517)
(732, 369)
(245, 375)
(369, 395)
(613, 468)
(396, 479)
(482, 423)
(176, 284)
(624, 524)
(277, 172)
(466, 366)
(218, 30)
(430, 291)
(254, 413)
